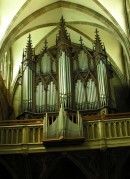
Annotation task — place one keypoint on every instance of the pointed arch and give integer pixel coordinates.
(69, 161)
(122, 163)
(8, 168)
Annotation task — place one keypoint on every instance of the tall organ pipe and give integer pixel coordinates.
(25, 88)
(64, 79)
(102, 80)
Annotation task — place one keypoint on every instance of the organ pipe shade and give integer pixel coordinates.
(83, 61)
(45, 64)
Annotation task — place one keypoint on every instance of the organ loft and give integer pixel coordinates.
(64, 82)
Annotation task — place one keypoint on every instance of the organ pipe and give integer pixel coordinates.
(102, 83)
(64, 80)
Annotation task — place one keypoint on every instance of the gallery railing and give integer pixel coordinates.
(95, 128)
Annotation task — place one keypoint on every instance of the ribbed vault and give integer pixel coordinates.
(41, 20)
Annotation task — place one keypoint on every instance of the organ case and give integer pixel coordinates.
(68, 74)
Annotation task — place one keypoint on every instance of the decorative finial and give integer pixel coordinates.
(63, 36)
(29, 51)
(29, 38)
(96, 31)
(98, 47)
(23, 53)
(81, 41)
(45, 42)
(62, 21)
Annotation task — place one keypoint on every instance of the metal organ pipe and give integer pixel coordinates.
(90, 100)
(103, 85)
(78, 93)
(106, 85)
(51, 101)
(40, 95)
(31, 88)
(94, 96)
(82, 96)
(60, 80)
(44, 98)
(64, 76)
(80, 89)
(69, 82)
(51, 96)
(64, 80)
(25, 88)
(91, 93)
(88, 92)
(37, 98)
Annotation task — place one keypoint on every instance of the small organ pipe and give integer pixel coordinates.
(77, 92)
(81, 97)
(103, 83)
(88, 91)
(40, 96)
(92, 93)
(48, 97)
(44, 98)
(64, 75)
(91, 90)
(37, 97)
(28, 88)
(51, 94)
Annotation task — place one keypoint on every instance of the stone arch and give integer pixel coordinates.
(120, 34)
(7, 170)
(70, 165)
(122, 167)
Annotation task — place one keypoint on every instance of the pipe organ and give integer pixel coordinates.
(68, 75)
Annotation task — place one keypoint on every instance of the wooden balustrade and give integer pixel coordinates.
(114, 128)
(21, 134)
(31, 131)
